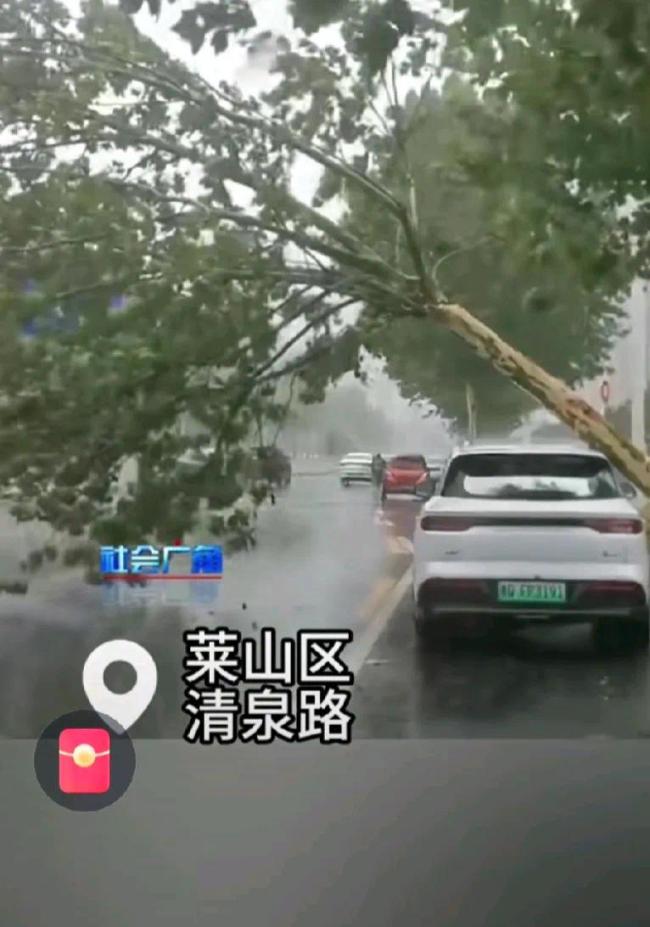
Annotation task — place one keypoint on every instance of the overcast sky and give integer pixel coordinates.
(251, 73)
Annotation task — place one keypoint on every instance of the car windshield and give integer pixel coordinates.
(407, 463)
(531, 476)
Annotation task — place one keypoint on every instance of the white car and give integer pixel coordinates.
(356, 468)
(435, 465)
(521, 535)
(193, 458)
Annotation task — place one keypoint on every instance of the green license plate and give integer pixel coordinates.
(532, 593)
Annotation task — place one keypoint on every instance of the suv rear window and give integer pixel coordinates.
(408, 463)
(530, 476)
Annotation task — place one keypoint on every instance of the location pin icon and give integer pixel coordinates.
(124, 708)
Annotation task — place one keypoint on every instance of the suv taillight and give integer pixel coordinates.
(598, 593)
(615, 525)
(441, 523)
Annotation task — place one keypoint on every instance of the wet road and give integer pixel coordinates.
(536, 686)
(543, 683)
(326, 558)
(320, 561)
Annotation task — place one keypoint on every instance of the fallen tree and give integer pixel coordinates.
(126, 174)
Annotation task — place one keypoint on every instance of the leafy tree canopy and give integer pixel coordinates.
(541, 149)
(152, 293)
(577, 73)
(149, 230)
(373, 28)
(543, 292)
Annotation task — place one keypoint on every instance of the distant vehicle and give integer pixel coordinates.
(405, 473)
(435, 465)
(355, 468)
(195, 458)
(265, 464)
(531, 534)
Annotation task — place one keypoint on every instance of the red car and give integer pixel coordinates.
(405, 474)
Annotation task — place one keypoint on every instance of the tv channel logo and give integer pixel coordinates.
(189, 594)
(203, 561)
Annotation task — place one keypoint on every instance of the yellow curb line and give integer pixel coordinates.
(379, 619)
(380, 589)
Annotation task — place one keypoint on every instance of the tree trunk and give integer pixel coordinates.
(552, 393)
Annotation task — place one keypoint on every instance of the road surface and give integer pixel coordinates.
(327, 557)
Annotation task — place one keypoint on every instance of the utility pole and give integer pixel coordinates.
(640, 303)
(471, 412)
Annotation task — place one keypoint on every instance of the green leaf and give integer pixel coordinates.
(219, 41)
(131, 6)
(312, 15)
(188, 28)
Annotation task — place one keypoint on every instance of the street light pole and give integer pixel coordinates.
(640, 302)
(471, 412)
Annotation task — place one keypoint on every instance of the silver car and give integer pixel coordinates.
(355, 468)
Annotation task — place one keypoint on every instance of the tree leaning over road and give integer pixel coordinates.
(126, 173)
(541, 300)
(575, 81)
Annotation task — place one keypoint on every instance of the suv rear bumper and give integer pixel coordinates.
(472, 605)
(485, 620)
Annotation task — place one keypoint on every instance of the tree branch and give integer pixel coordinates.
(51, 245)
(226, 107)
(451, 254)
(322, 317)
(341, 255)
(287, 406)
(278, 131)
(294, 366)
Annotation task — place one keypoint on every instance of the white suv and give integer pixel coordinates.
(521, 535)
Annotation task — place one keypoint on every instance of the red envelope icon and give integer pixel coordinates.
(84, 761)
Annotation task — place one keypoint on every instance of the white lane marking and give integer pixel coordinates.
(384, 612)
